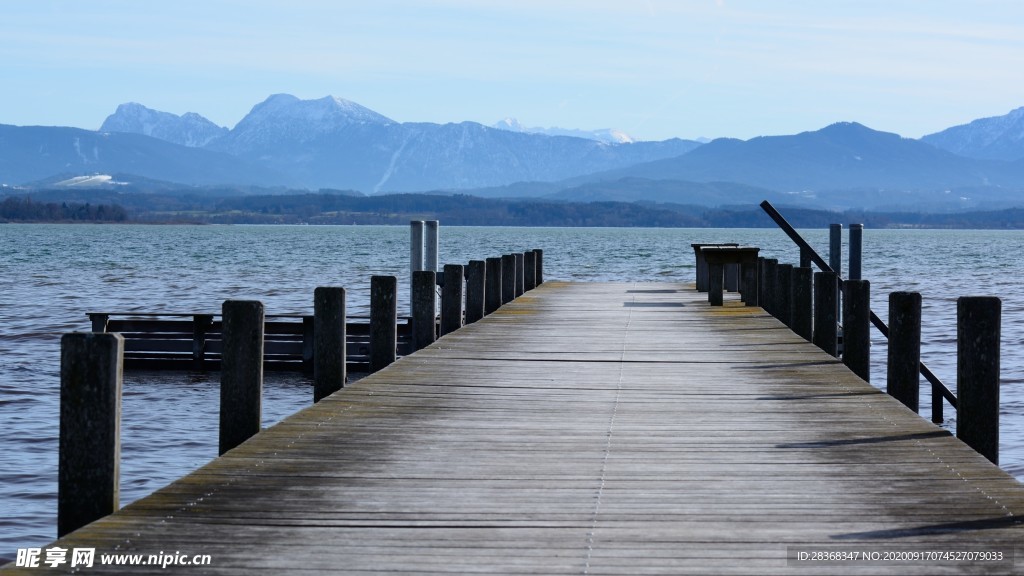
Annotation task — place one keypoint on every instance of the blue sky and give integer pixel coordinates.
(654, 69)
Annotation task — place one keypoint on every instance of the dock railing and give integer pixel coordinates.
(978, 335)
(241, 342)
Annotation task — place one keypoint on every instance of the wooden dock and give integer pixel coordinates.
(588, 428)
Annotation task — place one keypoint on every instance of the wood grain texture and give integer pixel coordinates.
(586, 429)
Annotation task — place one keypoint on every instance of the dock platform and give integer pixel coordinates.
(588, 428)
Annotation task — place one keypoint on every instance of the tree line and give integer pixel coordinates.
(24, 209)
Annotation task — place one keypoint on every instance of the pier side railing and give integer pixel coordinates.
(978, 334)
(241, 342)
(808, 302)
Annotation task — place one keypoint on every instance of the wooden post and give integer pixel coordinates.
(201, 324)
(508, 278)
(529, 271)
(856, 247)
(383, 321)
(978, 320)
(762, 281)
(701, 267)
(329, 331)
(540, 265)
(99, 322)
(826, 290)
(771, 289)
(857, 327)
(805, 259)
(241, 375)
(308, 345)
(784, 285)
(451, 299)
(424, 309)
(748, 283)
(716, 281)
(802, 302)
(732, 277)
(835, 247)
(520, 274)
(90, 420)
(476, 274)
(492, 293)
(903, 367)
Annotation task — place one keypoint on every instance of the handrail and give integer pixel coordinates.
(879, 324)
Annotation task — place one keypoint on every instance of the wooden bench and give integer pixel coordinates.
(717, 258)
(702, 265)
(156, 341)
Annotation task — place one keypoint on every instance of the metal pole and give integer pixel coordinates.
(430, 245)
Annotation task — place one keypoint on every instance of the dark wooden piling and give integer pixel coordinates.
(783, 284)
(508, 278)
(835, 247)
(978, 327)
(826, 290)
(771, 291)
(903, 366)
(716, 283)
(383, 321)
(492, 293)
(762, 281)
(701, 268)
(329, 354)
(520, 286)
(802, 302)
(529, 270)
(857, 327)
(451, 299)
(748, 283)
(201, 324)
(90, 419)
(539, 257)
(424, 308)
(476, 275)
(856, 249)
(241, 376)
(732, 277)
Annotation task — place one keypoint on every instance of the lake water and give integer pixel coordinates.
(51, 275)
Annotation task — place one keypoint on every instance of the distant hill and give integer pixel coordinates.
(995, 138)
(332, 142)
(843, 156)
(33, 153)
(190, 129)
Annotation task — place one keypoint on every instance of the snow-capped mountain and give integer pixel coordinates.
(189, 129)
(995, 138)
(608, 135)
(284, 119)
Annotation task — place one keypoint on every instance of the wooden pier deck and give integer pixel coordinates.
(610, 428)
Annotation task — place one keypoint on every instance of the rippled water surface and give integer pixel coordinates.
(51, 275)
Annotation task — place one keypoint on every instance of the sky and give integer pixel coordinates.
(654, 69)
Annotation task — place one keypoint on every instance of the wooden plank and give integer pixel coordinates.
(587, 428)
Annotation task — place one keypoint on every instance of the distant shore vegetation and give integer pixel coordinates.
(333, 208)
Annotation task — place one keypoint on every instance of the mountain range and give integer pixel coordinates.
(334, 143)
